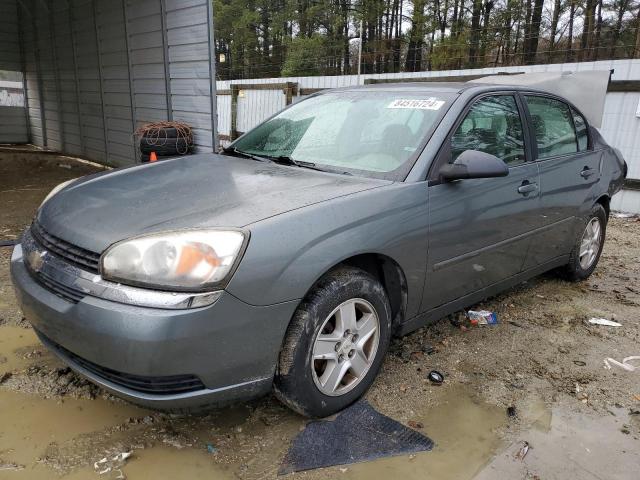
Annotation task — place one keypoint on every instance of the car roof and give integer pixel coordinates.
(433, 87)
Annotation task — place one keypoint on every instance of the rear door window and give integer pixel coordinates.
(552, 125)
(581, 131)
(492, 125)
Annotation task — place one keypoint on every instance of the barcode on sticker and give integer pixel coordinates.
(431, 103)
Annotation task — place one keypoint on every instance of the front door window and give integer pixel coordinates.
(492, 125)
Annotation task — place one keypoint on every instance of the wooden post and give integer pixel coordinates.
(233, 133)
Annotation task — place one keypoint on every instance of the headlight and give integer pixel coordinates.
(56, 190)
(189, 260)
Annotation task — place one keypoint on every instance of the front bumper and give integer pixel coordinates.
(230, 346)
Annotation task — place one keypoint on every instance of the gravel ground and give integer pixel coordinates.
(543, 360)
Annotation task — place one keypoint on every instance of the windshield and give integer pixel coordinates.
(376, 132)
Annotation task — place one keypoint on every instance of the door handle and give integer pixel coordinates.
(587, 172)
(527, 187)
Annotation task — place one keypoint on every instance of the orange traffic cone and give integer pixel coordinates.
(153, 157)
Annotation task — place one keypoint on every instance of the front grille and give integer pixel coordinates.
(55, 287)
(80, 257)
(169, 385)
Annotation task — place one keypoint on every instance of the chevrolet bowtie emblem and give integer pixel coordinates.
(36, 259)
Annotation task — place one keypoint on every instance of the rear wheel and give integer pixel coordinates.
(588, 247)
(335, 344)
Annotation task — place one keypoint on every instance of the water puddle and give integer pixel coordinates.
(31, 424)
(577, 444)
(18, 346)
(467, 433)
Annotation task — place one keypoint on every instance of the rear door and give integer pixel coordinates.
(569, 168)
(480, 228)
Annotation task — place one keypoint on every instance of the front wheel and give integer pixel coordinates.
(588, 247)
(335, 344)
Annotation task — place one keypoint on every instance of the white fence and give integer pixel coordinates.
(261, 98)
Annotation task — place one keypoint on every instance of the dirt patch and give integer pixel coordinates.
(504, 384)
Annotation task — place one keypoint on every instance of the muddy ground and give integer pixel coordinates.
(579, 419)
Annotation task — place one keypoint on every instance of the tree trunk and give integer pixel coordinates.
(557, 6)
(531, 43)
(596, 42)
(474, 37)
(572, 14)
(488, 6)
(622, 8)
(413, 61)
(587, 31)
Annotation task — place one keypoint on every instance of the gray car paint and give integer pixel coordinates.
(302, 223)
(198, 191)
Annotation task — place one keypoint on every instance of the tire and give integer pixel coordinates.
(164, 132)
(165, 146)
(299, 379)
(582, 264)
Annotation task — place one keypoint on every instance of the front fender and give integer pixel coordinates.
(288, 253)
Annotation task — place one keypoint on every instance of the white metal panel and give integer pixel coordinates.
(13, 115)
(189, 56)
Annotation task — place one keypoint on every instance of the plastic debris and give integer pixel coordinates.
(112, 464)
(625, 365)
(512, 412)
(523, 451)
(604, 322)
(482, 317)
(211, 448)
(435, 377)
(10, 466)
(65, 165)
(623, 215)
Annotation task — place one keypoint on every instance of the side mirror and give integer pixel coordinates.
(474, 164)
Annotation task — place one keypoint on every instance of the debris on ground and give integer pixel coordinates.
(623, 215)
(5, 376)
(604, 322)
(511, 412)
(624, 364)
(415, 425)
(10, 466)
(211, 448)
(435, 377)
(523, 451)
(112, 464)
(482, 317)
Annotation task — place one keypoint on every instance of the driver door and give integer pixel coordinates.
(480, 229)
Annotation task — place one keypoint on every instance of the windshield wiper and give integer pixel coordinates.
(235, 151)
(286, 160)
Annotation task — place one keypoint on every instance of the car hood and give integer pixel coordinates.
(197, 191)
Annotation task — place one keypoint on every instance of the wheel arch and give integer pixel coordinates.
(388, 272)
(605, 201)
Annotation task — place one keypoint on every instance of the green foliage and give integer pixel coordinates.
(268, 38)
(304, 56)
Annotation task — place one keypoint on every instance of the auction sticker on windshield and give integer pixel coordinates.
(431, 103)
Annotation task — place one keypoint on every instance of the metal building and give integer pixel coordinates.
(95, 70)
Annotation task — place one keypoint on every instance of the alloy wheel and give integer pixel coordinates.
(345, 347)
(590, 243)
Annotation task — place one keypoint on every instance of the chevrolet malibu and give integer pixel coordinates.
(287, 262)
